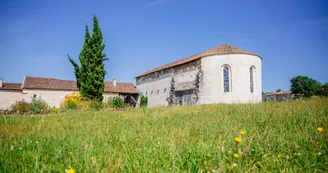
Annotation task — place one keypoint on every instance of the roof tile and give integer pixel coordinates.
(70, 85)
(224, 49)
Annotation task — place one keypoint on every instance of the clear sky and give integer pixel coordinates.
(290, 35)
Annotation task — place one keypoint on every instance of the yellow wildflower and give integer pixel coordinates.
(71, 171)
(242, 132)
(115, 122)
(320, 129)
(278, 155)
(70, 152)
(137, 139)
(123, 115)
(236, 155)
(237, 139)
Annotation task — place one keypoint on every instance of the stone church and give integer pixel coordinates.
(224, 74)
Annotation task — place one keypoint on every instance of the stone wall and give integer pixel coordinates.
(211, 86)
(8, 97)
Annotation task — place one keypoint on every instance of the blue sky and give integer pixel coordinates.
(290, 35)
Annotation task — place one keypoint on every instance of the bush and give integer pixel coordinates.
(73, 101)
(143, 101)
(91, 104)
(21, 106)
(115, 102)
(55, 110)
(39, 106)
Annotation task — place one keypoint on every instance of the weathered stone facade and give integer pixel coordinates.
(201, 81)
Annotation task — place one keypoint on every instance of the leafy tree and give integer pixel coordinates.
(143, 101)
(304, 86)
(278, 90)
(90, 74)
(324, 90)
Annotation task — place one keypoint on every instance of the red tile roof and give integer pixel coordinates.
(11, 86)
(278, 93)
(70, 85)
(224, 49)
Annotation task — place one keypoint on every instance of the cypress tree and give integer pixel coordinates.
(91, 73)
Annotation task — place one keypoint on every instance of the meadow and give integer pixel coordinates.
(267, 137)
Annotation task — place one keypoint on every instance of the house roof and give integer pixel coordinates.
(70, 85)
(278, 93)
(11, 86)
(224, 49)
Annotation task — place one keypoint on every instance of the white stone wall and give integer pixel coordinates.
(157, 91)
(185, 80)
(211, 87)
(52, 97)
(109, 95)
(8, 97)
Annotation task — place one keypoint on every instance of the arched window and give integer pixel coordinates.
(251, 75)
(226, 78)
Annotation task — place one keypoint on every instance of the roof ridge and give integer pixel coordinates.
(223, 49)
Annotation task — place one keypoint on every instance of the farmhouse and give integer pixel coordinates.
(278, 96)
(224, 74)
(53, 91)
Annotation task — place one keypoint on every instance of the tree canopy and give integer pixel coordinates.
(305, 86)
(90, 74)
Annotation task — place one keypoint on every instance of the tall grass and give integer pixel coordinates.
(280, 137)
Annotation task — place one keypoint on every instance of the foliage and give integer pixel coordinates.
(21, 106)
(324, 90)
(90, 74)
(304, 86)
(73, 101)
(55, 110)
(199, 138)
(117, 102)
(39, 105)
(92, 104)
(143, 101)
(278, 90)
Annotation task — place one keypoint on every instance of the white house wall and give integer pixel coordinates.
(185, 80)
(211, 87)
(52, 97)
(9, 97)
(160, 88)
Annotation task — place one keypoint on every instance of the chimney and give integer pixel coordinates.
(1, 82)
(114, 82)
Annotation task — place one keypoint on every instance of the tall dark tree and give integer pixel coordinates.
(304, 86)
(90, 74)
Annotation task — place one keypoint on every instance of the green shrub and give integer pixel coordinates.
(21, 106)
(55, 110)
(71, 105)
(117, 102)
(39, 105)
(94, 104)
(143, 101)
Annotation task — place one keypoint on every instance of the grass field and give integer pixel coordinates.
(280, 137)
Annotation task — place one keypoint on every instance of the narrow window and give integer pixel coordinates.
(226, 78)
(251, 75)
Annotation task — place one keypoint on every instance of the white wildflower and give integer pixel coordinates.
(319, 153)
(36, 142)
(11, 147)
(235, 164)
(287, 157)
(213, 170)
(20, 148)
